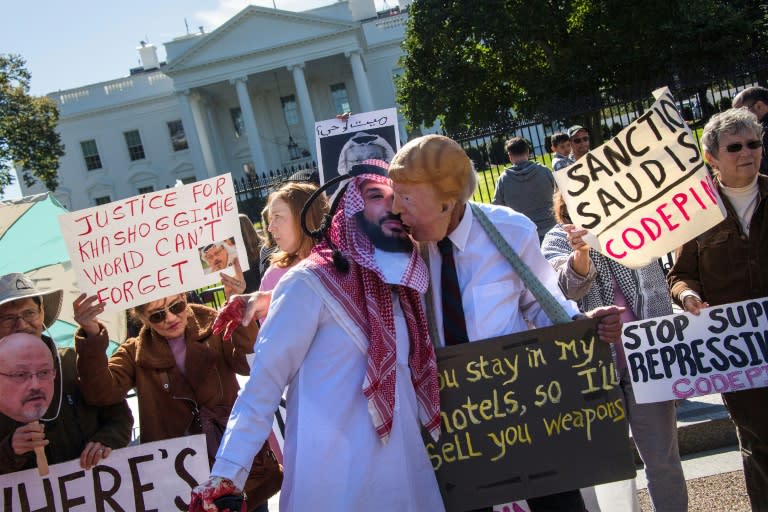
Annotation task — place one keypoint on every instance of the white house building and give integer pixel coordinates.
(241, 99)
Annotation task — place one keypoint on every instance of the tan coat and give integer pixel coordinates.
(167, 398)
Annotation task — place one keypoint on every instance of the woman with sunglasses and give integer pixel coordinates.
(184, 373)
(729, 263)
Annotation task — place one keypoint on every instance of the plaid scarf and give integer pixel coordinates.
(367, 299)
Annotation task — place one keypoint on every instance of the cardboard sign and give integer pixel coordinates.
(147, 247)
(646, 191)
(527, 415)
(152, 476)
(342, 144)
(723, 349)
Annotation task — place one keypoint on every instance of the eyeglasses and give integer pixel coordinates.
(29, 316)
(24, 377)
(159, 316)
(579, 140)
(737, 146)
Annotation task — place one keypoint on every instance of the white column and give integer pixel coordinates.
(214, 134)
(191, 132)
(361, 81)
(198, 114)
(307, 114)
(251, 130)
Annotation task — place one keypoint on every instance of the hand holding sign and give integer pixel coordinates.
(233, 284)
(30, 437)
(610, 325)
(693, 304)
(93, 453)
(86, 310)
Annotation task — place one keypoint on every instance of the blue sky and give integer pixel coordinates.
(73, 43)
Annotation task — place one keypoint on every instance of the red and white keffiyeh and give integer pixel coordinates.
(366, 297)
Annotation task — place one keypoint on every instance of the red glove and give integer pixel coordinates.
(229, 318)
(205, 496)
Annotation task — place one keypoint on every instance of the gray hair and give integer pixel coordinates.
(733, 120)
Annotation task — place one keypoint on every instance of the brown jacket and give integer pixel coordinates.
(166, 397)
(722, 265)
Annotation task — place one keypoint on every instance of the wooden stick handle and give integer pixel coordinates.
(42, 461)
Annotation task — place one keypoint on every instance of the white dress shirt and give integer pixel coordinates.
(496, 301)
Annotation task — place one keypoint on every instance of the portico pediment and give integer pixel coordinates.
(257, 30)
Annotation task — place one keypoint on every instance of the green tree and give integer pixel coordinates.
(27, 128)
(465, 64)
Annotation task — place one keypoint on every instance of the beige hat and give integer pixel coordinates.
(18, 286)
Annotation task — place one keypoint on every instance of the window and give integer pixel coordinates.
(237, 121)
(188, 179)
(102, 200)
(91, 154)
(178, 137)
(340, 98)
(290, 110)
(135, 148)
(146, 190)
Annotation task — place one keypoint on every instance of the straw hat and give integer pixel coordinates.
(18, 286)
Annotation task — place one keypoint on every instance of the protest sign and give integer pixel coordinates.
(344, 143)
(646, 191)
(152, 476)
(147, 247)
(527, 415)
(677, 356)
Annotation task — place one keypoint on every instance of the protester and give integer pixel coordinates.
(579, 138)
(252, 276)
(268, 245)
(728, 263)
(594, 280)
(183, 372)
(527, 186)
(433, 180)
(69, 428)
(346, 330)
(561, 147)
(284, 209)
(755, 99)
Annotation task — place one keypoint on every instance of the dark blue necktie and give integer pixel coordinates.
(454, 323)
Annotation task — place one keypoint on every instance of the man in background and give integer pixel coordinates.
(526, 187)
(755, 99)
(33, 376)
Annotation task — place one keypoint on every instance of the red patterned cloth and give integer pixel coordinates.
(365, 296)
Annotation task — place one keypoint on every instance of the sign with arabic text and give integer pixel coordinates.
(342, 143)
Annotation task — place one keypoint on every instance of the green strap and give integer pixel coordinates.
(429, 299)
(553, 309)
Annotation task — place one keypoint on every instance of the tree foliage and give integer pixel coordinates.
(27, 128)
(465, 62)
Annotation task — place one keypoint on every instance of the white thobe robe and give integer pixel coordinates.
(333, 458)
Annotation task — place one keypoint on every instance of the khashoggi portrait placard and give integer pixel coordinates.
(150, 246)
(342, 143)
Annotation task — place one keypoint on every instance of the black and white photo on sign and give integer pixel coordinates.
(344, 143)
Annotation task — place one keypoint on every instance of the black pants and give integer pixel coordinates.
(568, 501)
(750, 415)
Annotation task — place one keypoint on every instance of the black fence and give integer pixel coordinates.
(697, 100)
(252, 191)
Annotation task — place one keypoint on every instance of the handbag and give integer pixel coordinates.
(266, 475)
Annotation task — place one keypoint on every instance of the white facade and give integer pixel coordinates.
(281, 70)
